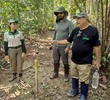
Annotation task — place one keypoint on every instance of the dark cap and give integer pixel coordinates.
(12, 21)
(83, 15)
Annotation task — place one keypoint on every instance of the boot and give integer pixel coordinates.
(13, 77)
(56, 71)
(75, 88)
(66, 72)
(20, 78)
(84, 91)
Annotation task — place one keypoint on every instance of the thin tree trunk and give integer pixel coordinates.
(97, 15)
(84, 5)
(69, 6)
(18, 10)
(76, 3)
(52, 5)
(91, 7)
(106, 18)
(108, 25)
(102, 27)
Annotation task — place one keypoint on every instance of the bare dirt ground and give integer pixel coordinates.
(55, 89)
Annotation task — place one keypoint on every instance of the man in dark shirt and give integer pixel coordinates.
(85, 38)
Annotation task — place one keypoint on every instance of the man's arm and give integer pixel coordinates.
(98, 55)
(60, 42)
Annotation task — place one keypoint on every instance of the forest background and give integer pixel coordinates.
(36, 16)
(36, 19)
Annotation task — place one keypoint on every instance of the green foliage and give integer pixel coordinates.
(105, 61)
(35, 14)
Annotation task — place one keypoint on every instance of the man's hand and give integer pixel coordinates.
(60, 42)
(67, 50)
(54, 42)
(6, 58)
(97, 64)
(23, 55)
(98, 56)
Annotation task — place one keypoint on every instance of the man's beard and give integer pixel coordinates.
(59, 18)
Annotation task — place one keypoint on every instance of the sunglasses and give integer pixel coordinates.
(83, 36)
(79, 35)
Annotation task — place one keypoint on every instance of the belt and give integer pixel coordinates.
(15, 47)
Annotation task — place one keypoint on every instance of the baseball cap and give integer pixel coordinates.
(82, 14)
(12, 21)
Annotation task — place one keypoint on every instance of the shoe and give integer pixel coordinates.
(70, 94)
(82, 97)
(54, 75)
(20, 79)
(56, 71)
(12, 79)
(75, 88)
(66, 78)
(84, 91)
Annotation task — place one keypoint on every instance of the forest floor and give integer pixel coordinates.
(55, 89)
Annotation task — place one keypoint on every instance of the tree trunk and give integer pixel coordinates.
(102, 27)
(76, 3)
(84, 5)
(69, 6)
(106, 19)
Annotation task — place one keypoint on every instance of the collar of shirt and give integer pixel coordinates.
(11, 33)
(64, 20)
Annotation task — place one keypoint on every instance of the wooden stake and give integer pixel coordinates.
(36, 75)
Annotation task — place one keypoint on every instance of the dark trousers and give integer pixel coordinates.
(58, 52)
